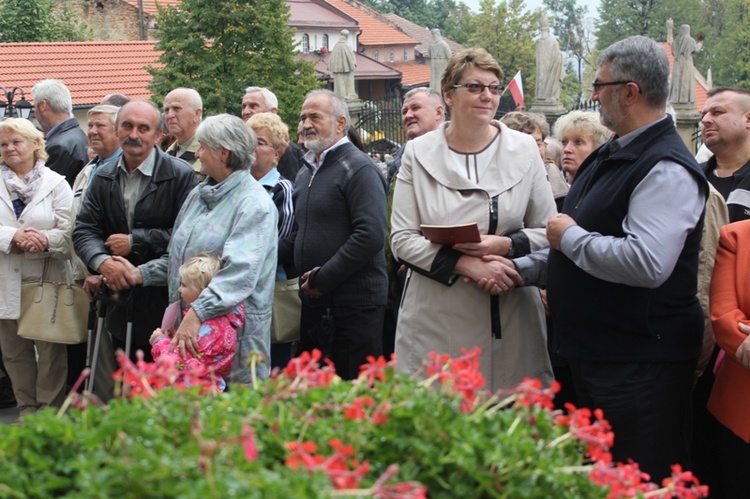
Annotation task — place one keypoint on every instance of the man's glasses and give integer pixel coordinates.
(478, 88)
(597, 85)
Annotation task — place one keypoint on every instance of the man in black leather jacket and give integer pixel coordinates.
(129, 211)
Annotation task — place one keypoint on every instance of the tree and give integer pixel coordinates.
(506, 30)
(40, 21)
(457, 25)
(220, 48)
(623, 18)
(727, 45)
(442, 14)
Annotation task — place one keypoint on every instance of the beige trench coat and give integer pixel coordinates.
(48, 211)
(446, 318)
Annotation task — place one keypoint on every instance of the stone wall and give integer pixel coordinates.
(114, 20)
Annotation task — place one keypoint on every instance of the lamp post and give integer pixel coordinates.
(21, 109)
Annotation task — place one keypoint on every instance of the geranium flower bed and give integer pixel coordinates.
(306, 433)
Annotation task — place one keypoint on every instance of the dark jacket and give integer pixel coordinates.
(611, 322)
(340, 215)
(290, 162)
(67, 148)
(738, 200)
(103, 214)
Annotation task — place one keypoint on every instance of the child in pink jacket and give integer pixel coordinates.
(217, 337)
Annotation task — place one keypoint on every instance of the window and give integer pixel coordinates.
(406, 55)
(376, 56)
(392, 57)
(305, 43)
(325, 42)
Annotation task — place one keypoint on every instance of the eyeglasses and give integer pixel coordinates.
(478, 88)
(597, 85)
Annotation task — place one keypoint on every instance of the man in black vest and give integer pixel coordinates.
(622, 268)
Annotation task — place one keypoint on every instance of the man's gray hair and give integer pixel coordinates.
(194, 98)
(231, 133)
(642, 60)
(110, 111)
(55, 93)
(338, 105)
(427, 91)
(160, 124)
(271, 101)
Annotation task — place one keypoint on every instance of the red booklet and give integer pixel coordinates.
(452, 234)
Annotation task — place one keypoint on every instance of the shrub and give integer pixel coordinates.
(306, 433)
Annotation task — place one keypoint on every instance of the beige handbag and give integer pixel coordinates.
(285, 315)
(56, 312)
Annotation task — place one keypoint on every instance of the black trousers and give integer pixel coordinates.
(649, 408)
(358, 333)
(733, 455)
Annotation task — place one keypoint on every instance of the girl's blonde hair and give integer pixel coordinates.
(198, 271)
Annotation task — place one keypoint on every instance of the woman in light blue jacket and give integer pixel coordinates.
(231, 216)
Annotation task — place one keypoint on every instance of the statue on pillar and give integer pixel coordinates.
(682, 87)
(670, 28)
(549, 65)
(342, 65)
(439, 54)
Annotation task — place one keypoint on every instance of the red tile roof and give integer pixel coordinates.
(414, 74)
(319, 14)
(419, 33)
(701, 88)
(374, 30)
(367, 69)
(149, 6)
(89, 69)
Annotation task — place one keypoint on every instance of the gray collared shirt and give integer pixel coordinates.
(132, 185)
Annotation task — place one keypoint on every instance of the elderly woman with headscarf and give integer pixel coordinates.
(34, 226)
(228, 215)
(472, 169)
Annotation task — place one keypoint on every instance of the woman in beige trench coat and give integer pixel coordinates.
(472, 169)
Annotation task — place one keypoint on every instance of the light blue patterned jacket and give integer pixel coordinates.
(236, 221)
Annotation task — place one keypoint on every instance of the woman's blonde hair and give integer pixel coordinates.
(278, 130)
(24, 128)
(462, 60)
(586, 123)
(198, 271)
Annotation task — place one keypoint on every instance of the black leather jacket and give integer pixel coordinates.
(103, 214)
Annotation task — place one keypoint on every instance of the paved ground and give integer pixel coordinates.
(7, 416)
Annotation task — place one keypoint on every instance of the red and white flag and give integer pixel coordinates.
(516, 90)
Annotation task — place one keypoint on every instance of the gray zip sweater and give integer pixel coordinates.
(340, 213)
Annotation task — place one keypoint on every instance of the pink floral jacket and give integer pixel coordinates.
(217, 342)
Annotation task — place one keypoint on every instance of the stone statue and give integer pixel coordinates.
(549, 65)
(439, 54)
(682, 87)
(342, 64)
(670, 28)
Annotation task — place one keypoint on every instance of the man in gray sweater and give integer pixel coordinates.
(340, 209)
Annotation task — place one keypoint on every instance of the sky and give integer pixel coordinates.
(534, 4)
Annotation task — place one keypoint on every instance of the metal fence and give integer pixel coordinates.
(380, 127)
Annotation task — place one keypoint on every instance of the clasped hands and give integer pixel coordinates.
(482, 263)
(118, 273)
(496, 274)
(29, 240)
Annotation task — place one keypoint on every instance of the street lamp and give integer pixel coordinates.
(22, 108)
